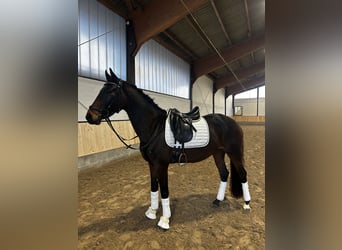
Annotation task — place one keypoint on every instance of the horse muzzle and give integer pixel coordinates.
(93, 117)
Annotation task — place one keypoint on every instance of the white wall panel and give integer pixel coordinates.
(229, 106)
(250, 106)
(158, 70)
(219, 101)
(202, 95)
(261, 106)
(102, 41)
(166, 101)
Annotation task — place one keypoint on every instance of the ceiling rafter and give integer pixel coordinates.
(198, 31)
(249, 29)
(109, 4)
(172, 48)
(220, 21)
(212, 62)
(181, 45)
(241, 74)
(157, 16)
(249, 84)
(217, 14)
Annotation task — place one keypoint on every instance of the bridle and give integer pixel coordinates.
(105, 113)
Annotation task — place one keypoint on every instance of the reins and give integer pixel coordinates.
(122, 139)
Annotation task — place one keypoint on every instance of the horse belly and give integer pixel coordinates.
(198, 154)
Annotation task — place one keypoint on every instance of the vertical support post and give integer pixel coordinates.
(225, 101)
(258, 101)
(233, 104)
(214, 91)
(192, 82)
(130, 48)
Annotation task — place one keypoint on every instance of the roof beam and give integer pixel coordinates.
(173, 49)
(241, 74)
(109, 4)
(212, 62)
(158, 15)
(249, 29)
(199, 32)
(178, 43)
(249, 84)
(220, 21)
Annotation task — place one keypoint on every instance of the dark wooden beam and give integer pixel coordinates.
(249, 29)
(171, 48)
(241, 74)
(116, 9)
(178, 43)
(212, 62)
(220, 21)
(157, 16)
(249, 84)
(199, 32)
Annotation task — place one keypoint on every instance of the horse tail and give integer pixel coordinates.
(235, 182)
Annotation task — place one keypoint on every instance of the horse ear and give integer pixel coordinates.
(107, 76)
(114, 77)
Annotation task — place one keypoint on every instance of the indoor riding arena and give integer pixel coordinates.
(180, 54)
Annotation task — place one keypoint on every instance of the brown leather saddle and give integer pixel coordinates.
(181, 124)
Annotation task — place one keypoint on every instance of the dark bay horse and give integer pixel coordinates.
(148, 120)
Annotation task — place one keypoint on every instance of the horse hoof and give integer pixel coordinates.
(216, 203)
(151, 213)
(164, 223)
(246, 207)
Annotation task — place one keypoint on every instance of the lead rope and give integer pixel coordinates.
(120, 137)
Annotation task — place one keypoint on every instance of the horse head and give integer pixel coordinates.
(108, 101)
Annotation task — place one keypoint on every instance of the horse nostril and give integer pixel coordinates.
(93, 118)
(89, 118)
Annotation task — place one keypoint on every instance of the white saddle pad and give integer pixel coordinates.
(200, 138)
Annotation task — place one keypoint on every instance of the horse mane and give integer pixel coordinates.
(145, 96)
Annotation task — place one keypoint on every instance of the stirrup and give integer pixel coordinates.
(180, 159)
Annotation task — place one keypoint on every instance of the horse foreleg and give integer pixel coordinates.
(151, 212)
(221, 166)
(163, 183)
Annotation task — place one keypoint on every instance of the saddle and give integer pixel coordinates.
(181, 124)
(182, 129)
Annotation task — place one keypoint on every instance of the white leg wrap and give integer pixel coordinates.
(245, 191)
(151, 212)
(166, 207)
(221, 191)
(154, 200)
(164, 220)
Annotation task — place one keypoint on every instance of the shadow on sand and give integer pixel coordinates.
(184, 209)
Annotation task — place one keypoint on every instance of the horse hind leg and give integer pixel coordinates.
(222, 169)
(239, 184)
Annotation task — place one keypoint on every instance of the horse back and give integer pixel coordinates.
(223, 129)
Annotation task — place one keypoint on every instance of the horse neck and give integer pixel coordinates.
(144, 115)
